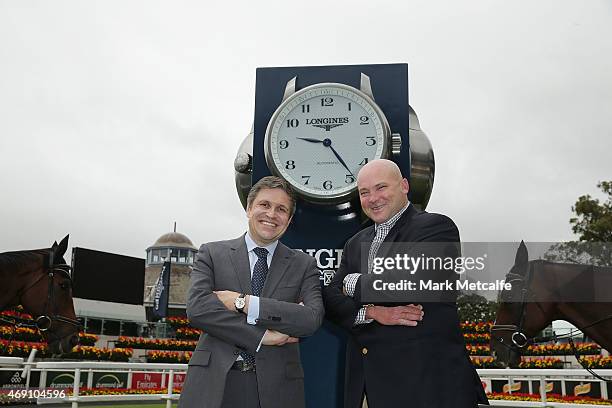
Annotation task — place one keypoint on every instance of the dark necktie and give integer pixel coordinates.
(260, 271)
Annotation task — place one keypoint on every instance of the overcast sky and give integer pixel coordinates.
(119, 117)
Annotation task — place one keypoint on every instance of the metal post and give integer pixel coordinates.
(90, 378)
(543, 389)
(530, 385)
(42, 381)
(75, 388)
(603, 389)
(563, 391)
(129, 379)
(170, 386)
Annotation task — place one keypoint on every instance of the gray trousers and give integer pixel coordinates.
(240, 390)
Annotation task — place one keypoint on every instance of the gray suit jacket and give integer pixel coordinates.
(292, 278)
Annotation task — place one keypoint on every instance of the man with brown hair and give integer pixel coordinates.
(253, 297)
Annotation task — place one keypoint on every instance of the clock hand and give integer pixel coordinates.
(340, 160)
(310, 140)
(327, 143)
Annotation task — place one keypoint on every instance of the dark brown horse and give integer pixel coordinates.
(40, 281)
(545, 291)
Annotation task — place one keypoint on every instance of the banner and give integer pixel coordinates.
(162, 292)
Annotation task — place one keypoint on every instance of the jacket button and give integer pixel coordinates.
(364, 351)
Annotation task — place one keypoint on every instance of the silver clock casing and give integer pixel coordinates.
(311, 92)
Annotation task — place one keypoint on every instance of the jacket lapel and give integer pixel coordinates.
(401, 225)
(278, 267)
(240, 262)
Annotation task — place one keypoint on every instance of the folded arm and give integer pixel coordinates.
(297, 320)
(205, 311)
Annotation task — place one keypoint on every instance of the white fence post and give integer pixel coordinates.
(42, 381)
(170, 386)
(543, 389)
(75, 388)
(129, 379)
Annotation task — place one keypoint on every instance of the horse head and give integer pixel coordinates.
(49, 299)
(506, 336)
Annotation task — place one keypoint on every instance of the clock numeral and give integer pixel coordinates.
(349, 106)
(327, 185)
(307, 179)
(283, 144)
(364, 161)
(305, 108)
(365, 120)
(349, 179)
(290, 165)
(327, 101)
(292, 123)
(371, 141)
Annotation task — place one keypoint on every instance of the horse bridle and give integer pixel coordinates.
(520, 339)
(44, 322)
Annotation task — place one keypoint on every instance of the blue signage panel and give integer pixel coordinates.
(318, 229)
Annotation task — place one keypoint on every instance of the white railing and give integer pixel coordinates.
(543, 376)
(88, 368)
(83, 372)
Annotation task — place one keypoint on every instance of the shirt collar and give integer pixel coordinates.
(391, 221)
(250, 244)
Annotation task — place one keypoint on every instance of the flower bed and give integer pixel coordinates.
(86, 339)
(188, 333)
(21, 348)
(168, 357)
(20, 333)
(27, 334)
(477, 338)
(543, 362)
(15, 314)
(123, 391)
(485, 362)
(563, 349)
(101, 354)
(597, 361)
(176, 321)
(156, 344)
(476, 327)
(568, 399)
(478, 350)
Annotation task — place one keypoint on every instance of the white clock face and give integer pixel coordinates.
(321, 137)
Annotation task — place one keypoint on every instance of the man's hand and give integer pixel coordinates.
(275, 338)
(397, 315)
(228, 298)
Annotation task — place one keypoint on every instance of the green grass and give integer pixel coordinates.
(120, 405)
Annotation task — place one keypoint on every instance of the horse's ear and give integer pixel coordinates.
(62, 247)
(54, 245)
(521, 259)
(521, 254)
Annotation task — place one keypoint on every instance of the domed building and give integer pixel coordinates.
(181, 252)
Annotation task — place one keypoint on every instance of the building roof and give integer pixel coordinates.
(173, 239)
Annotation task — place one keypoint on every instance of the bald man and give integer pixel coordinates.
(400, 354)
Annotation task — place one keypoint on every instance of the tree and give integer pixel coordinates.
(593, 221)
(593, 224)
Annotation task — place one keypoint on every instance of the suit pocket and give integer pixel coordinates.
(294, 370)
(200, 358)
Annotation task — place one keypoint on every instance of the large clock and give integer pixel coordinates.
(320, 136)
